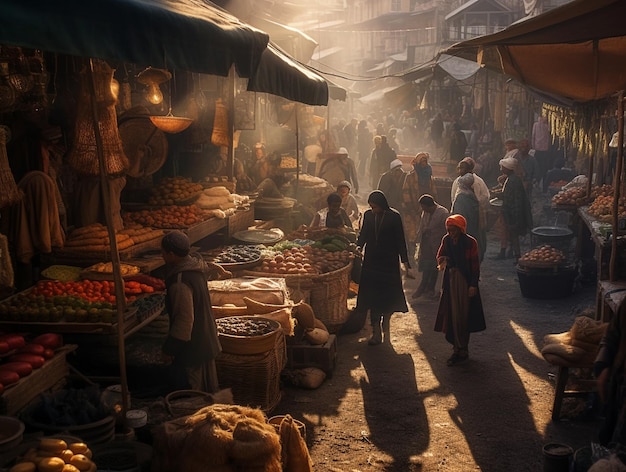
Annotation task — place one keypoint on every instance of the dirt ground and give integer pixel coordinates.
(398, 407)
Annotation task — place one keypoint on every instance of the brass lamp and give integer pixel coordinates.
(151, 78)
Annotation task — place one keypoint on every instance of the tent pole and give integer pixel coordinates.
(231, 125)
(617, 182)
(297, 150)
(120, 300)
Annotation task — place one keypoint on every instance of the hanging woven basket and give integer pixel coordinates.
(220, 135)
(83, 156)
(9, 192)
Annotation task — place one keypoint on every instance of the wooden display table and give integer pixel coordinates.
(611, 295)
(20, 394)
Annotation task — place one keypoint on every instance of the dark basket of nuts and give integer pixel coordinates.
(247, 334)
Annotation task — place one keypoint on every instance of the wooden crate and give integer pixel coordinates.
(323, 357)
(18, 395)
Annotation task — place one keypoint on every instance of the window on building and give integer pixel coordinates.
(396, 5)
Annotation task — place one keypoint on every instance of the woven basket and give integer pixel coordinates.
(186, 402)
(84, 156)
(328, 293)
(250, 345)
(10, 193)
(171, 124)
(254, 380)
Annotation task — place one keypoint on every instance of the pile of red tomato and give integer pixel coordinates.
(90, 290)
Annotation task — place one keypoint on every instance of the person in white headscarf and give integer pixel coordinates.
(466, 204)
(516, 218)
(391, 183)
(348, 202)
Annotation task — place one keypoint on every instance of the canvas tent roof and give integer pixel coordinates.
(278, 71)
(577, 51)
(190, 35)
(193, 35)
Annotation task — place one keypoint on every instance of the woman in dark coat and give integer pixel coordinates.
(384, 246)
(460, 308)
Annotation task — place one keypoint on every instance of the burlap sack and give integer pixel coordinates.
(588, 330)
(304, 314)
(283, 316)
(295, 454)
(316, 336)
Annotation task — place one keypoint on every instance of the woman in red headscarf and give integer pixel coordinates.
(460, 307)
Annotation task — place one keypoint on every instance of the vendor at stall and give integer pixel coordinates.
(192, 344)
(333, 216)
(348, 202)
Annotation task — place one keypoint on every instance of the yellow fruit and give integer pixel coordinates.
(70, 468)
(51, 464)
(78, 447)
(52, 445)
(81, 462)
(24, 467)
(88, 453)
(66, 455)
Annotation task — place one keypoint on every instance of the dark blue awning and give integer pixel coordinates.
(193, 35)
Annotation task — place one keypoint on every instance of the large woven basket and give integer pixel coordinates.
(249, 345)
(328, 293)
(254, 379)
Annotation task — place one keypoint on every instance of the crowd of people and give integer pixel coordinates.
(403, 224)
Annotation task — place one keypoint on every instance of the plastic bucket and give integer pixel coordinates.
(557, 457)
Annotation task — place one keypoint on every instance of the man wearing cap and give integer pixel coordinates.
(516, 218)
(460, 307)
(391, 183)
(192, 344)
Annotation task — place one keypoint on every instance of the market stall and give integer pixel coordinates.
(109, 303)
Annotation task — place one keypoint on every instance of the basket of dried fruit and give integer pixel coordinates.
(247, 334)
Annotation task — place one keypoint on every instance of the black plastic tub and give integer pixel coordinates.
(545, 284)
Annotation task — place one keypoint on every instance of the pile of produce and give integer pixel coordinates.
(56, 455)
(236, 254)
(288, 162)
(603, 190)
(544, 254)
(85, 301)
(573, 196)
(170, 217)
(20, 357)
(64, 273)
(147, 305)
(95, 237)
(244, 326)
(602, 208)
(315, 234)
(107, 268)
(317, 259)
(217, 198)
(174, 191)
